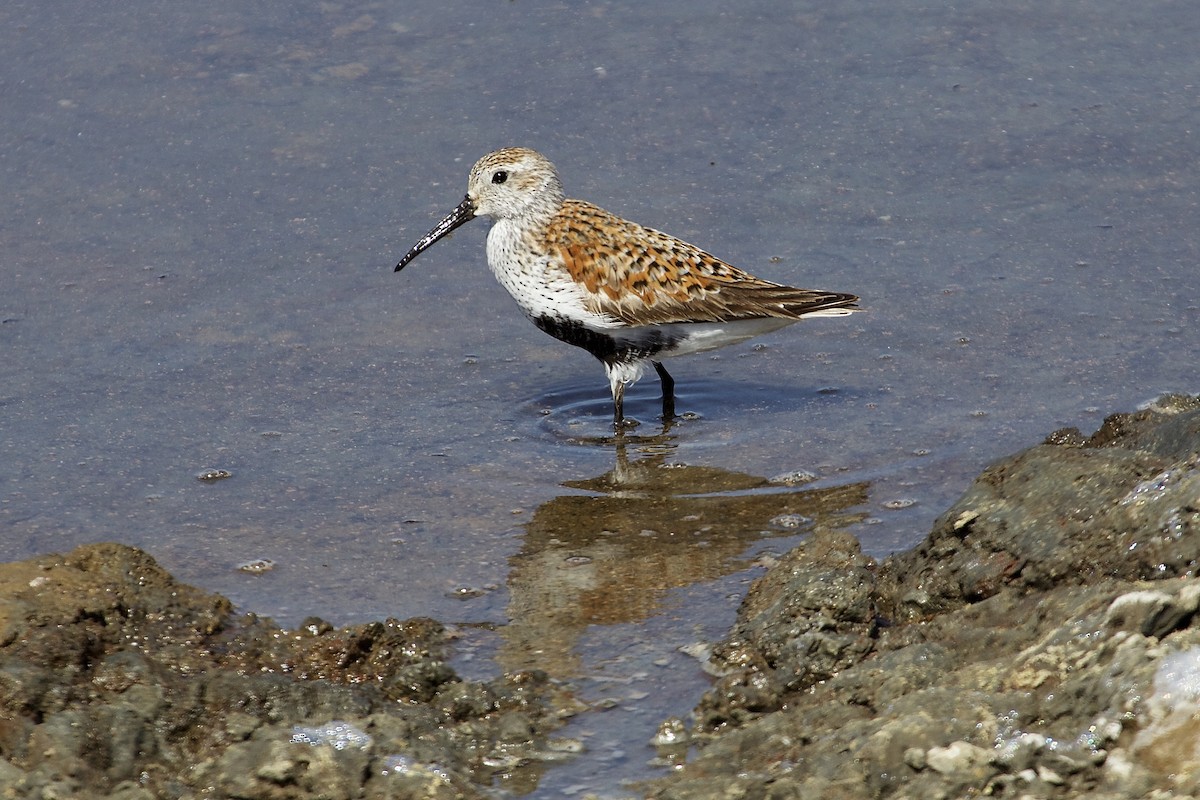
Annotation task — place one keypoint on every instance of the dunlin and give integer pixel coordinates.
(626, 294)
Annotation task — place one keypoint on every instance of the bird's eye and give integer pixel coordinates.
(499, 176)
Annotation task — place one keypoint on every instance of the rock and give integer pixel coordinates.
(116, 681)
(671, 733)
(808, 617)
(956, 757)
(1049, 616)
(1151, 612)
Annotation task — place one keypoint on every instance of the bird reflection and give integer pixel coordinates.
(611, 553)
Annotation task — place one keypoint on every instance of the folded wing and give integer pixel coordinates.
(644, 277)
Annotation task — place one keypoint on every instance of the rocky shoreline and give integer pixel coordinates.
(1038, 643)
(117, 681)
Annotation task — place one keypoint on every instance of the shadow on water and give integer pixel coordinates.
(612, 552)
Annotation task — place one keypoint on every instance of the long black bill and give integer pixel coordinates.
(463, 213)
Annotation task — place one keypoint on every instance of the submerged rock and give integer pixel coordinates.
(1041, 642)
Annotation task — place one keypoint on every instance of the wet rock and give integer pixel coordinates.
(956, 757)
(1041, 642)
(672, 732)
(1125, 504)
(116, 681)
(808, 617)
(1153, 613)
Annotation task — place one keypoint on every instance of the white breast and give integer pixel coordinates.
(540, 286)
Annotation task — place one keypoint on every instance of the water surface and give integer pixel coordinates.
(203, 205)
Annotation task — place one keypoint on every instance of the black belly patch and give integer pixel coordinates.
(609, 349)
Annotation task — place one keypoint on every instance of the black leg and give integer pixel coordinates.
(668, 389)
(618, 404)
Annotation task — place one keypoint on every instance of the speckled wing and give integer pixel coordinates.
(644, 277)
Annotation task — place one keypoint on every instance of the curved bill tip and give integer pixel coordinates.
(464, 212)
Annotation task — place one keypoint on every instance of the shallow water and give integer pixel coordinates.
(203, 205)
